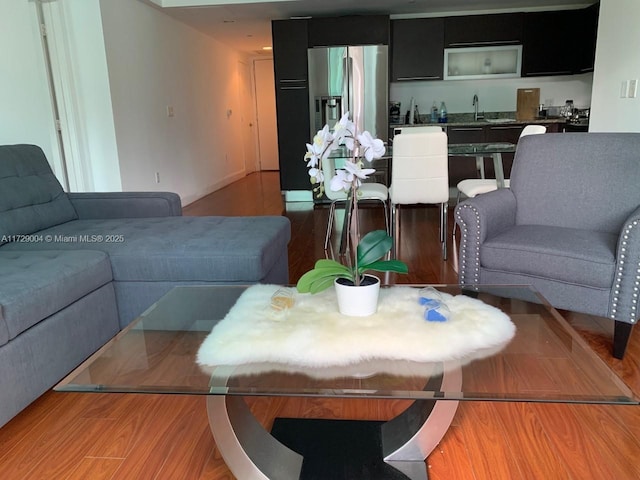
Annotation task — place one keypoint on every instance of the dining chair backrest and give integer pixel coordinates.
(329, 171)
(421, 129)
(419, 169)
(533, 130)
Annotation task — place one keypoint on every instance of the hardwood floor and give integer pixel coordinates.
(118, 436)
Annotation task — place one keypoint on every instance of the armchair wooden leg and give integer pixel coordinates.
(621, 333)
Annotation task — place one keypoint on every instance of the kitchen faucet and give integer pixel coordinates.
(476, 104)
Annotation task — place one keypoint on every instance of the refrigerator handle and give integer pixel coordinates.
(346, 79)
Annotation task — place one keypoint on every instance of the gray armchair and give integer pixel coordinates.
(568, 225)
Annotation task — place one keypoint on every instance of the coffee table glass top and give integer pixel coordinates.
(546, 361)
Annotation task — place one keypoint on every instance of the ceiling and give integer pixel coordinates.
(246, 24)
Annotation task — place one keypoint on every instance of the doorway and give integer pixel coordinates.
(266, 113)
(247, 118)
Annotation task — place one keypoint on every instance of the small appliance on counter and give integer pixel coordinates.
(394, 113)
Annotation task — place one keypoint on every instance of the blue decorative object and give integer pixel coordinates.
(435, 310)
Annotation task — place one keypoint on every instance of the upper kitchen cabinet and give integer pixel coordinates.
(416, 49)
(481, 30)
(349, 30)
(560, 42)
(290, 50)
(549, 47)
(585, 38)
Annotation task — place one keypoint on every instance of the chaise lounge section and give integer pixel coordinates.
(77, 268)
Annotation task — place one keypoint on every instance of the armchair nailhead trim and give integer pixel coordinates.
(464, 268)
(634, 297)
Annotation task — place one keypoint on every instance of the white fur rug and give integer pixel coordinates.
(313, 334)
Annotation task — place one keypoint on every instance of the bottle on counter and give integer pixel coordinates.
(443, 113)
(434, 113)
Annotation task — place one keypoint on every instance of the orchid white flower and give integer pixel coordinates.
(323, 144)
(373, 147)
(357, 172)
(312, 156)
(316, 174)
(342, 181)
(324, 141)
(344, 132)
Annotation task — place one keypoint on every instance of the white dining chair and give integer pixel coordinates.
(420, 175)
(470, 187)
(366, 192)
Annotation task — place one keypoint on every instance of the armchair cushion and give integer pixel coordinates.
(565, 254)
(32, 198)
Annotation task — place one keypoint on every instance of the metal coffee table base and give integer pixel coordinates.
(251, 452)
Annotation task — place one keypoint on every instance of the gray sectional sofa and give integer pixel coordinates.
(77, 268)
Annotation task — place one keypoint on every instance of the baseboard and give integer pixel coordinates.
(228, 180)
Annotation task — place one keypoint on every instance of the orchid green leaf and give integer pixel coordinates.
(322, 276)
(388, 266)
(372, 247)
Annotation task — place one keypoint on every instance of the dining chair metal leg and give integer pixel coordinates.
(444, 212)
(395, 230)
(332, 212)
(386, 219)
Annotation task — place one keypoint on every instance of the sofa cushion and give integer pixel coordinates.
(565, 254)
(31, 197)
(207, 249)
(35, 285)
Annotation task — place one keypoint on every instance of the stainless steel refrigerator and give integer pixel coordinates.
(352, 79)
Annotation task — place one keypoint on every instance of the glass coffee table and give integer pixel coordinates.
(546, 361)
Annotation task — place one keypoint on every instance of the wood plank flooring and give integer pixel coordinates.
(117, 436)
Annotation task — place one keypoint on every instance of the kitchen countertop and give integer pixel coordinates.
(492, 118)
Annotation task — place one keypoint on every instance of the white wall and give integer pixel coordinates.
(617, 59)
(154, 62)
(26, 114)
(495, 95)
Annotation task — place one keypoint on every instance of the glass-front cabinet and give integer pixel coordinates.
(504, 61)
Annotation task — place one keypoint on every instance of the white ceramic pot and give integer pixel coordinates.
(360, 301)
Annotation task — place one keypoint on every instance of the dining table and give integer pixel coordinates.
(481, 151)
(478, 150)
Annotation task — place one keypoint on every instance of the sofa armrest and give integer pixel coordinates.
(623, 305)
(480, 218)
(126, 204)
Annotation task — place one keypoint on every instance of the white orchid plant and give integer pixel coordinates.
(376, 244)
(361, 145)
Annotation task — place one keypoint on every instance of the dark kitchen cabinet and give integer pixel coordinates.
(479, 30)
(292, 101)
(463, 167)
(292, 106)
(289, 49)
(417, 49)
(500, 134)
(585, 38)
(548, 44)
(349, 30)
